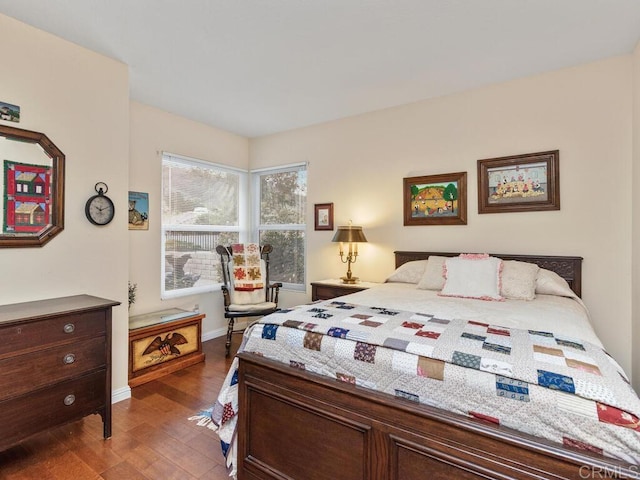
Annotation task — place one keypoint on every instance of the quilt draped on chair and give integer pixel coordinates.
(247, 268)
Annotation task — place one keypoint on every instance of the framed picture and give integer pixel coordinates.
(520, 183)
(323, 216)
(436, 199)
(27, 197)
(138, 211)
(9, 112)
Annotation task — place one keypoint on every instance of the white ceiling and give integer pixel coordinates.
(256, 67)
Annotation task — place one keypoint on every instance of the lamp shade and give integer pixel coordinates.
(349, 233)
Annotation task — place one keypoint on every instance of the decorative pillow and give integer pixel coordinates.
(550, 283)
(433, 278)
(519, 280)
(410, 272)
(473, 278)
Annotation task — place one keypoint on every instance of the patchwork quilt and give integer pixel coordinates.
(247, 271)
(558, 388)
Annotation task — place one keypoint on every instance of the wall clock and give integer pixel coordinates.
(99, 208)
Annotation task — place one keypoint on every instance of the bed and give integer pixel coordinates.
(294, 423)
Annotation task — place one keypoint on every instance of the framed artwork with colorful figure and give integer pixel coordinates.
(436, 199)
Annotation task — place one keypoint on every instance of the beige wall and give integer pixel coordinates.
(81, 101)
(635, 220)
(359, 163)
(152, 132)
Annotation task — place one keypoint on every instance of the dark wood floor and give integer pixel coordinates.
(152, 436)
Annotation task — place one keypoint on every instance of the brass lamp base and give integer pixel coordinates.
(349, 281)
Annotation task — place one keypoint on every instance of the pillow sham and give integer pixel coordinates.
(550, 283)
(519, 280)
(433, 278)
(477, 277)
(410, 272)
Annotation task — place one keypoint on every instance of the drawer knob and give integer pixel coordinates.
(69, 358)
(69, 399)
(69, 328)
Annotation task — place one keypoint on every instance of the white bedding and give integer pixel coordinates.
(563, 315)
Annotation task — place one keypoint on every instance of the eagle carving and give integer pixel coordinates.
(166, 346)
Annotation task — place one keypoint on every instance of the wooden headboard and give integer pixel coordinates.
(569, 268)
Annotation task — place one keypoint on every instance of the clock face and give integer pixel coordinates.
(99, 210)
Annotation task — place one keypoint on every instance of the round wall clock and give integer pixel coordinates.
(99, 208)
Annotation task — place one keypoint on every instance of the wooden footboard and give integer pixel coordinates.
(298, 425)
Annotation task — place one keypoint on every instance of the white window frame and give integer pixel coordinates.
(241, 228)
(255, 215)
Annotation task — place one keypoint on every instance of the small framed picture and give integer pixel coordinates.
(519, 183)
(9, 112)
(138, 211)
(323, 216)
(436, 199)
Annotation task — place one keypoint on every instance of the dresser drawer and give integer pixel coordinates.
(26, 415)
(50, 366)
(35, 335)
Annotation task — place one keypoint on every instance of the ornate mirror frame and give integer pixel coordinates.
(54, 199)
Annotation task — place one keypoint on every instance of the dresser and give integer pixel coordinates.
(55, 364)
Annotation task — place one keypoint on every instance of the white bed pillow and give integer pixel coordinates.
(476, 276)
(550, 283)
(433, 278)
(519, 280)
(410, 272)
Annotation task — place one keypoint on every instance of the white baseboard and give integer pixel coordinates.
(219, 332)
(120, 394)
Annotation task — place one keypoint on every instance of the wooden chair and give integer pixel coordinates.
(240, 304)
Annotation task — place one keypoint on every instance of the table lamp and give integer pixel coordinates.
(352, 235)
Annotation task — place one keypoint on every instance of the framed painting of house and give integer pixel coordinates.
(436, 199)
(519, 183)
(27, 197)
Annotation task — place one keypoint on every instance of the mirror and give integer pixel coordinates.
(32, 188)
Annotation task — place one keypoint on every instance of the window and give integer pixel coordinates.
(279, 211)
(203, 205)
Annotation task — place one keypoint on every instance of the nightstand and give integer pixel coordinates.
(328, 289)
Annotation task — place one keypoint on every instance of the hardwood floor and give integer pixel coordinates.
(152, 436)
